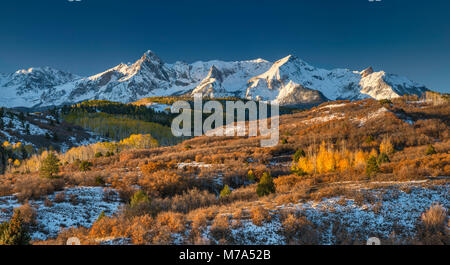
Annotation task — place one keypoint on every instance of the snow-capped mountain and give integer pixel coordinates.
(381, 85)
(28, 87)
(230, 79)
(288, 81)
(278, 82)
(291, 71)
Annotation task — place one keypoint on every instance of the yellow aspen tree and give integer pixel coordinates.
(386, 146)
(330, 161)
(360, 159)
(305, 165)
(321, 157)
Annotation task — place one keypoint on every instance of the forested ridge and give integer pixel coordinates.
(118, 121)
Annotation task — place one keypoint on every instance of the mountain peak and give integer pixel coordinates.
(215, 73)
(150, 53)
(367, 71)
(290, 59)
(286, 59)
(150, 56)
(289, 80)
(33, 70)
(258, 60)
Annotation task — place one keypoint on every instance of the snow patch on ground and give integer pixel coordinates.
(250, 234)
(158, 107)
(19, 127)
(332, 106)
(85, 207)
(396, 208)
(373, 115)
(192, 164)
(391, 210)
(324, 118)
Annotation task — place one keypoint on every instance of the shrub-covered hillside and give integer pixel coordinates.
(342, 172)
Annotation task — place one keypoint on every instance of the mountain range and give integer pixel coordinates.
(288, 81)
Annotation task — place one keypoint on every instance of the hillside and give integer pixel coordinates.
(25, 133)
(342, 172)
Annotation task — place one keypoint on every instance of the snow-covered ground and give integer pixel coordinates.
(14, 131)
(250, 234)
(396, 208)
(393, 210)
(81, 207)
(19, 127)
(158, 107)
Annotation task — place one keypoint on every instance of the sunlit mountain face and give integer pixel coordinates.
(288, 81)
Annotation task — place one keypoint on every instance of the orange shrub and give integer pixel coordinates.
(259, 215)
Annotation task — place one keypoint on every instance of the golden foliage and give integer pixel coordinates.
(328, 159)
(386, 146)
(139, 141)
(259, 215)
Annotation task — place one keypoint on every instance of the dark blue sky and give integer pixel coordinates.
(407, 37)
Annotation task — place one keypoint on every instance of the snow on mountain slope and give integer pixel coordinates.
(288, 81)
(211, 84)
(41, 130)
(381, 85)
(334, 84)
(150, 76)
(31, 86)
(230, 79)
(293, 94)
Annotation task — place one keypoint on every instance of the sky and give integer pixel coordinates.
(410, 38)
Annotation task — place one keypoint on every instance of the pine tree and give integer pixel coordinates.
(372, 166)
(299, 153)
(21, 117)
(430, 150)
(14, 232)
(101, 216)
(369, 139)
(85, 166)
(27, 129)
(138, 198)
(50, 166)
(265, 185)
(383, 158)
(225, 192)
